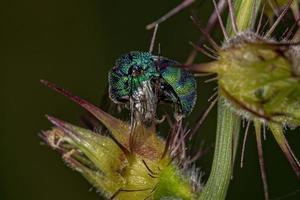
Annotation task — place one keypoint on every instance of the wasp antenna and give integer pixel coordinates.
(232, 17)
(153, 39)
(244, 144)
(205, 34)
(271, 30)
(225, 34)
(169, 14)
(257, 126)
(260, 19)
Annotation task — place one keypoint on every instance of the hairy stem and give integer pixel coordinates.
(245, 12)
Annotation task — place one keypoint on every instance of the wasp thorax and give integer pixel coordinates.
(261, 78)
(142, 80)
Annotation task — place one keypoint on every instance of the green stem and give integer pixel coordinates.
(228, 123)
(217, 184)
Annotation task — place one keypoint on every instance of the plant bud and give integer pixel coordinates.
(117, 166)
(260, 80)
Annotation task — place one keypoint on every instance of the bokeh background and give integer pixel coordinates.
(74, 43)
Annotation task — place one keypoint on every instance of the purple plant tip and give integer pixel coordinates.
(118, 128)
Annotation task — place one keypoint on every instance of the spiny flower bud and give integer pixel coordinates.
(260, 76)
(261, 82)
(127, 164)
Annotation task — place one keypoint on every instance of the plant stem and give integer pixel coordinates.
(217, 184)
(228, 123)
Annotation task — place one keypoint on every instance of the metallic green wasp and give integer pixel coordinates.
(141, 80)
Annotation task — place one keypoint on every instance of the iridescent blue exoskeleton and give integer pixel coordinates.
(141, 80)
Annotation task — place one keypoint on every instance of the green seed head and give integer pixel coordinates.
(128, 164)
(260, 78)
(260, 81)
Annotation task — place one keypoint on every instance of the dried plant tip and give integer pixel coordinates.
(117, 128)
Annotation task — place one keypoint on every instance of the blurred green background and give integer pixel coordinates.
(74, 44)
